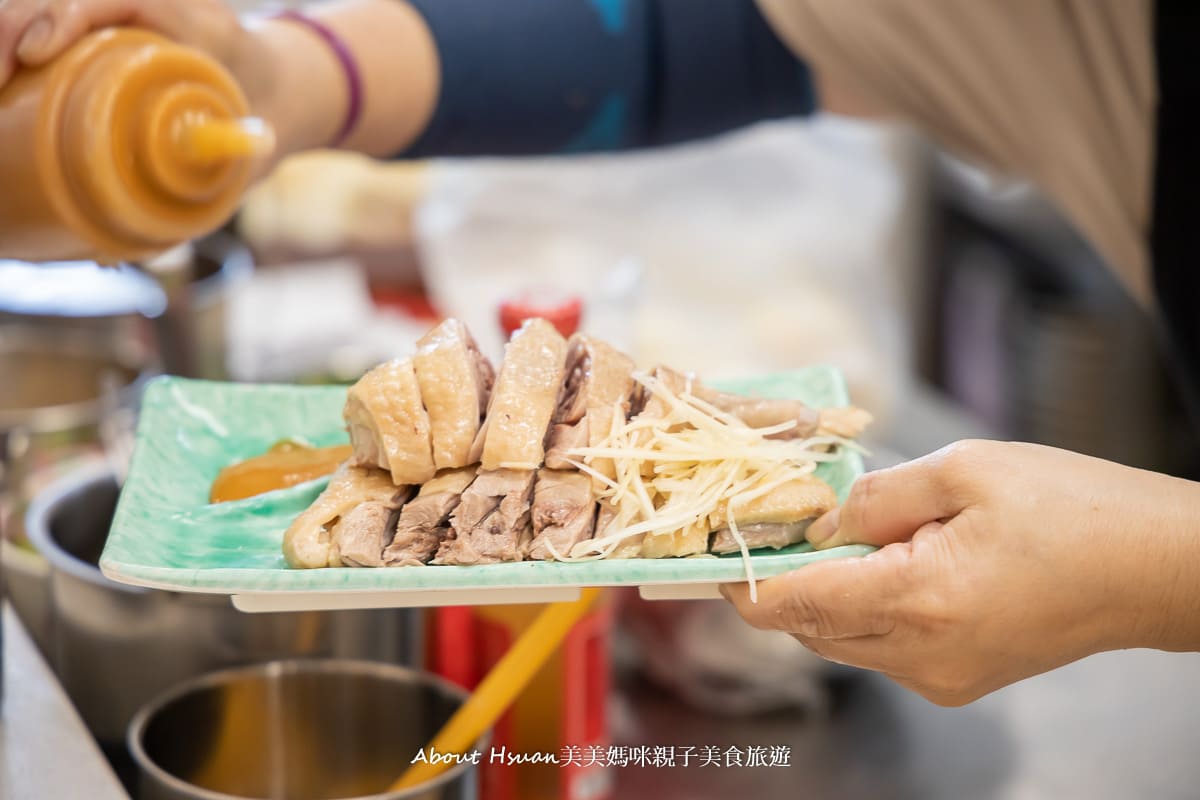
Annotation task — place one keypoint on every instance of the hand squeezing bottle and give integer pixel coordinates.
(122, 147)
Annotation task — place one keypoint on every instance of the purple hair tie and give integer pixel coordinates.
(350, 69)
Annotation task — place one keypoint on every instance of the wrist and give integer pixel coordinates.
(1159, 569)
(297, 79)
(291, 81)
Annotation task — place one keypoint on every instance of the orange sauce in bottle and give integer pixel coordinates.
(122, 147)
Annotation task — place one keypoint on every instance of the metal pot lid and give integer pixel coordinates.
(77, 289)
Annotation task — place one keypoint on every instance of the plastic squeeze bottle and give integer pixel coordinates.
(123, 146)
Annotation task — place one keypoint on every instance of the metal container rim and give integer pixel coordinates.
(133, 358)
(37, 528)
(269, 669)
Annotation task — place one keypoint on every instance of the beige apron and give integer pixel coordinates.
(1061, 92)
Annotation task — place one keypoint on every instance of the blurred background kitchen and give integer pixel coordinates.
(958, 305)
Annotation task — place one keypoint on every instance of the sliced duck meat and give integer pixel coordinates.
(562, 440)
(693, 538)
(563, 514)
(848, 422)
(777, 535)
(425, 520)
(760, 412)
(776, 519)
(456, 383)
(358, 538)
(648, 406)
(608, 522)
(763, 412)
(388, 425)
(654, 406)
(800, 499)
(307, 543)
(492, 522)
(755, 412)
(688, 541)
(599, 382)
(523, 399)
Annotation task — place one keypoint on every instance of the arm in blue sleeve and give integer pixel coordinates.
(562, 76)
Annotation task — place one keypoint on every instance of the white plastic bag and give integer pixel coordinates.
(707, 655)
(776, 247)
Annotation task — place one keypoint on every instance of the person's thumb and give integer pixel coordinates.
(839, 599)
(889, 505)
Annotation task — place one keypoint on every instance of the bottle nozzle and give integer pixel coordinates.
(212, 141)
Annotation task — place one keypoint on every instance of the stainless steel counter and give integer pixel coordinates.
(1119, 725)
(45, 752)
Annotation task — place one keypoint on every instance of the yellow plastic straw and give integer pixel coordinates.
(211, 141)
(500, 688)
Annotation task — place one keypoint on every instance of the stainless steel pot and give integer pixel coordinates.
(63, 392)
(61, 388)
(115, 646)
(301, 730)
(110, 305)
(198, 279)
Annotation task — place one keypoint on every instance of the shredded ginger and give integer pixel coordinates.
(665, 473)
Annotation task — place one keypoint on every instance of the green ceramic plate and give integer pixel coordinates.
(165, 534)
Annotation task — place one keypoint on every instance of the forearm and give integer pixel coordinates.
(301, 88)
(1161, 567)
(450, 77)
